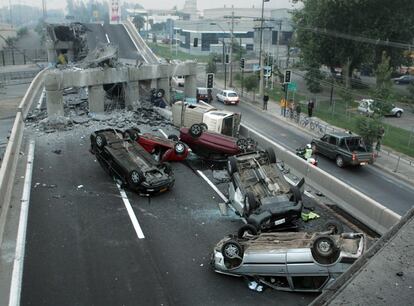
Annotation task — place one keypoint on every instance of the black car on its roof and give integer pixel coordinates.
(124, 158)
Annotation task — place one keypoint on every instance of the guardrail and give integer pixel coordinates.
(366, 210)
(11, 155)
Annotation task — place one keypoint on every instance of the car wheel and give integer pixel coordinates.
(135, 178)
(100, 141)
(339, 161)
(204, 126)
(231, 165)
(250, 203)
(232, 250)
(196, 130)
(179, 148)
(334, 227)
(313, 147)
(132, 134)
(160, 93)
(242, 144)
(324, 249)
(271, 155)
(173, 137)
(398, 114)
(247, 229)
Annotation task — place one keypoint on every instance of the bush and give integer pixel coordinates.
(368, 128)
(22, 32)
(250, 82)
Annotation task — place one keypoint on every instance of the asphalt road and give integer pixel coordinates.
(117, 36)
(384, 188)
(81, 247)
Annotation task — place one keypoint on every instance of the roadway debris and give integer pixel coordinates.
(102, 56)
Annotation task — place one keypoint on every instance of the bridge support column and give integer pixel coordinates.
(51, 52)
(190, 86)
(54, 102)
(165, 84)
(96, 96)
(153, 83)
(131, 94)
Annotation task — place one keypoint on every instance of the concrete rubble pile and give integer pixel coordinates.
(102, 56)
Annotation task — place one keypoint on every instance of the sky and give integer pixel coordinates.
(164, 4)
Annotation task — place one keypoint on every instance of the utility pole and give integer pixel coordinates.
(231, 47)
(277, 42)
(260, 50)
(44, 10)
(11, 13)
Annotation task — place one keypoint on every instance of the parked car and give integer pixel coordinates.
(213, 145)
(344, 148)
(289, 261)
(203, 94)
(259, 192)
(125, 159)
(404, 79)
(219, 121)
(163, 149)
(228, 97)
(367, 107)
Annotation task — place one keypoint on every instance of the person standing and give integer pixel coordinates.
(265, 101)
(311, 105)
(298, 110)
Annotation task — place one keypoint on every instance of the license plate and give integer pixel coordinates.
(163, 189)
(363, 163)
(281, 221)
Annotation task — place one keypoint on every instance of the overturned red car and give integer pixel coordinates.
(161, 148)
(213, 145)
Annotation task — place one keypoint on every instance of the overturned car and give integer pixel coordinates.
(128, 161)
(260, 193)
(289, 261)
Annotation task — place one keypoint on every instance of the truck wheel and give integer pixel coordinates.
(232, 250)
(196, 130)
(242, 144)
(204, 126)
(100, 140)
(324, 249)
(231, 165)
(271, 155)
(339, 161)
(247, 229)
(334, 227)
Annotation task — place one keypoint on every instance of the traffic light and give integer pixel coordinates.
(210, 80)
(287, 76)
(242, 63)
(227, 59)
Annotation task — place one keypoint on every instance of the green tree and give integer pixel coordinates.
(368, 128)
(211, 65)
(383, 74)
(250, 82)
(238, 51)
(313, 77)
(139, 22)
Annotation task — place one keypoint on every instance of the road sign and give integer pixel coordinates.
(292, 86)
(287, 76)
(267, 71)
(210, 80)
(256, 67)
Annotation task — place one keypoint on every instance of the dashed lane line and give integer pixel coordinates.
(17, 274)
(131, 213)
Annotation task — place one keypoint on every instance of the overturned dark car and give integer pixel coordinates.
(260, 193)
(290, 261)
(128, 161)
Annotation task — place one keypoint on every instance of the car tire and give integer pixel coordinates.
(250, 203)
(173, 137)
(334, 227)
(271, 155)
(132, 134)
(242, 144)
(248, 229)
(324, 249)
(398, 114)
(100, 140)
(196, 130)
(179, 148)
(232, 165)
(339, 161)
(232, 250)
(160, 93)
(204, 126)
(135, 178)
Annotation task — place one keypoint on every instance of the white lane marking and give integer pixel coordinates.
(221, 195)
(107, 39)
(308, 194)
(17, 274)
(39, 104)
(131, 213)
(163, 133)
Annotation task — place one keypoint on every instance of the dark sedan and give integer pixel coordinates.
(125, 159)
(404, 79)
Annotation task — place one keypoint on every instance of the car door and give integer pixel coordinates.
(321, 145)
(331, 146)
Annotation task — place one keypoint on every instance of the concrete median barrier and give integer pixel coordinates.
(358, 205)
(31, 93)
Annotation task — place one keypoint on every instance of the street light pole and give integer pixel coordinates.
(260, 51)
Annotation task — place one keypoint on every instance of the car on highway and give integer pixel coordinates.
(290, 261)
(404, 79)
(211, 145)
(228, 97)
(128, 161)
(203, 94)
(367, 107)
(260, 193)
(346, 149)
(163, 149)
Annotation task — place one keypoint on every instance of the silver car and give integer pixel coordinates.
(289, 261)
